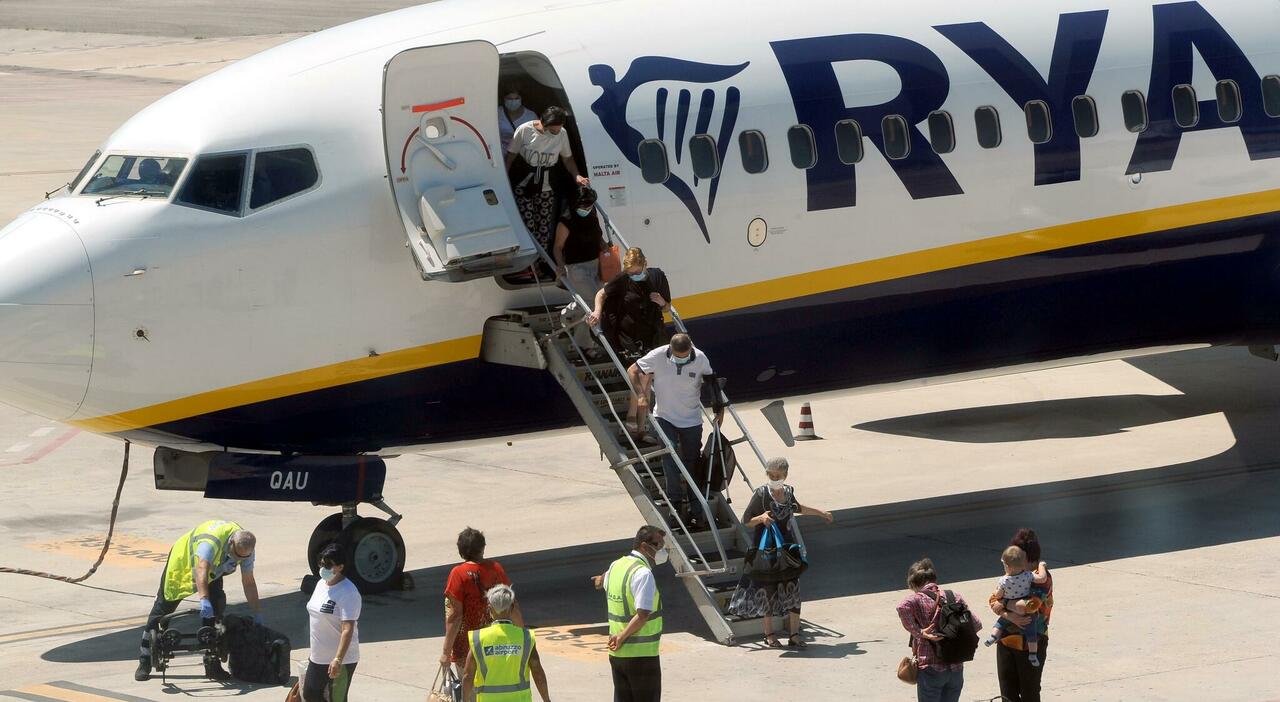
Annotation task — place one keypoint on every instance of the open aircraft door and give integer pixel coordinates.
(440, 129)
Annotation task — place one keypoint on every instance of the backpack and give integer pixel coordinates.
(954, 623)
(256, 654)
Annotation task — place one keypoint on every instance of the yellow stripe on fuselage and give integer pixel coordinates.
(297, 383)
(716, 301)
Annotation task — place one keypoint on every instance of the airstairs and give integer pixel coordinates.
(707, 555)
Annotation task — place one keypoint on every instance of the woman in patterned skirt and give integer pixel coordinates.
(774, 503)
(537, 148)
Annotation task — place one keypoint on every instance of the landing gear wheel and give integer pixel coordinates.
(375, 555)
(326, 532)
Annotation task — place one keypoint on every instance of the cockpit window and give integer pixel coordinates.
(151, 176)
(279, 174)
(216, 183)
(83, 171)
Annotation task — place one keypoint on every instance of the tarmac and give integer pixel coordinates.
(1152, 482)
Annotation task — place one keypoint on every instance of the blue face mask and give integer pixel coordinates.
(583, 213)
(638, 276)
(681, 361)
(326, 574)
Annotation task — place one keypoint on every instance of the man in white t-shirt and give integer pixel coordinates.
(676, 372)
(334, 612)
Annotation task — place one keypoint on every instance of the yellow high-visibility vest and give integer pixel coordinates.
(180, 572)
(502, 651)
(622, 607)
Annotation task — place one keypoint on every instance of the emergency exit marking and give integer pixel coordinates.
(757, 231)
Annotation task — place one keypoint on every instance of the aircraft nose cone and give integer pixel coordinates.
(46, 316)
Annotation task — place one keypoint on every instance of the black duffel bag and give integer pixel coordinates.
(716, 464)
(773, 560)
(256, 654)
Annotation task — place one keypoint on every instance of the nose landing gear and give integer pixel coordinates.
(373, 548)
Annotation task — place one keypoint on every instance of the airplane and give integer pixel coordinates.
(291, 262)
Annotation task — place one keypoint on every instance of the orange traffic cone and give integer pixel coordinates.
(806, 432)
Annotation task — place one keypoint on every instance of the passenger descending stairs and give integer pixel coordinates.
(708, 556)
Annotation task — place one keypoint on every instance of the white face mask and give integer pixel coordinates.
(776, 484)
(327, 574)
(660, 557)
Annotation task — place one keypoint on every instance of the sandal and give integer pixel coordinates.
(772, 641)
(796, 642)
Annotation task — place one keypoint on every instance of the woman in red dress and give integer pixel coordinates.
(465, 606)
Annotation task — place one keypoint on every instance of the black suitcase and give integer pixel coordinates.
(256, 654)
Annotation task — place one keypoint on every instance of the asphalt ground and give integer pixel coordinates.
(1153, 484)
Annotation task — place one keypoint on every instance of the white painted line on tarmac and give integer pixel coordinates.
(42, 431)
(17, 448)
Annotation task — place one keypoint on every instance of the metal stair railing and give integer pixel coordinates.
(637, 456)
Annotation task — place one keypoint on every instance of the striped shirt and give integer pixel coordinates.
(917, 612)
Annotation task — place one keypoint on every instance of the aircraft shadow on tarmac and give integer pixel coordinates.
(1226, 498)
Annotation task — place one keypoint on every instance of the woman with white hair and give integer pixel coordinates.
(503, 656)
(774, 503)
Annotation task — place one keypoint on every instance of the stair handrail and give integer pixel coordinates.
(684, 473)
(679, 324)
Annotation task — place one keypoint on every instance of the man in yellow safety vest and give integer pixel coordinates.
(197, 562)
(503, 657)
(635, 618)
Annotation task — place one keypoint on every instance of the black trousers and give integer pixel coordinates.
(317, 686)
(1019, 680)
(162, 607)
(636, 679)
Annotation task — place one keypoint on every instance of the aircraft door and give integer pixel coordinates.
(440, 129)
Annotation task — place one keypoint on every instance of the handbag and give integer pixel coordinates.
(908, 670)
(610, 261)
(447, 687)
(773, 560)
(295, 693)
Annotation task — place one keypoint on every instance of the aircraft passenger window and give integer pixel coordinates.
(83, 171)
(1271, 95)
(755, 157)
(143, 176)
(705, 156)
(942, 132)
(1186, 108)
(987, 121)
(216, 183)
(1084, 112)
(1134, 104)
(279, 174)
(1229, 107)
(897, 142)
(1039, 121)
(653, 161)
(849, 141)
(804, 152)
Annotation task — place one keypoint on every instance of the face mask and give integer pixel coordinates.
(660, 556)
(638, 276)
(583, 213)
(512, 105)
(327, 574)
(776, 484)
(681, 361)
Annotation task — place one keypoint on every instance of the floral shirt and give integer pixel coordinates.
(917, 612)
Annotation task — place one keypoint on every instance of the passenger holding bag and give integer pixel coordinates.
(773, 509)
(774, 560)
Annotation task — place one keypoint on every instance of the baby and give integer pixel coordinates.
(1022, 591)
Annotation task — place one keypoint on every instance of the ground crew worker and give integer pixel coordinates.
(635, 618)
(197, 562)
(503, 656)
